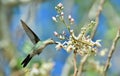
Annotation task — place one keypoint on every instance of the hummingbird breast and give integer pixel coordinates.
(39, 47)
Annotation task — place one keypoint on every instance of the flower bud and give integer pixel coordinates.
(61, 37)
(54, 19)
(55, 33)
(60, 5)
(103, 52)
(69, 17)
(63, 33)
(97, 43)
(57, 16)
(56, 8)
(62, 13)
(72, 21)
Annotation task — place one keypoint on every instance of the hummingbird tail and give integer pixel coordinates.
(26, 60)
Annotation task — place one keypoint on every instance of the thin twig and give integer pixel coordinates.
(75, 64)
(74, 60)
(97, 18)
(111, 52)
(68, 65)
(84, 59)
(82, 63)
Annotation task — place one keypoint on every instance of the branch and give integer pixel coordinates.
(19, 2)
(97, 17)
(84, 59)
(111, 52)
(75, 64)
(68, 65)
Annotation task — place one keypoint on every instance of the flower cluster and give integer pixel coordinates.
(61, 36)
(82, 43)
(71, 20)
(59, 8)
(60, 16)
(38, 70)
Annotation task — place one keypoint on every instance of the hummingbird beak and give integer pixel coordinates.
(56, 42)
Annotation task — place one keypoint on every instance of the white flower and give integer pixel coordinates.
(57, 16)
(65, 43)
(60, 5)
(64, 33)
(35, 70)
(71, 31)
(103, 52)
(69, 17)
(70, 48)
(88, 40)
(88, 37)
(59, 46)
(92, 22)
(62, 13)
(84, 49)
(92, 43)
(47, 66)
(72, 21)
(69, 42)
(81, 53)
(97, 43)
(55, 33)
(61, 37)
(54, 19)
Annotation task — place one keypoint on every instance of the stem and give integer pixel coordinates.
(84, 59)
(112, 50)
(75, 64)
(97, 17)
(68, 27)
(74, 60)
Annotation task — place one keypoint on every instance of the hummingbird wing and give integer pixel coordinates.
(33, 37)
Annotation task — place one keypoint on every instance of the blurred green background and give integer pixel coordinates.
(15, 44)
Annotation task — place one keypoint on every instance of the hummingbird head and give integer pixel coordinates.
(50, 41)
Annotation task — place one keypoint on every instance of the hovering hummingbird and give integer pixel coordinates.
(38, 44)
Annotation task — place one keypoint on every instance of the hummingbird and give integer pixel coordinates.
(38, 44)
